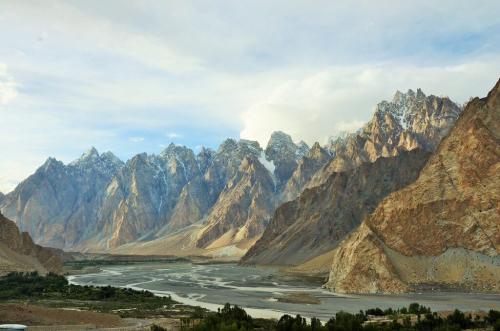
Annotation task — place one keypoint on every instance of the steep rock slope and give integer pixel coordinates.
(243, 208)
(444, 229)
(316, 221)
(411, 120)
(60, 203)
(315, 158)
(140, 198)
(216, 170)
(19, 253)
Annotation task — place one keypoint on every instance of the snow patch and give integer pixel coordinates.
(269, 165)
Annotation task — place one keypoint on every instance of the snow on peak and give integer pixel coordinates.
(268, 164)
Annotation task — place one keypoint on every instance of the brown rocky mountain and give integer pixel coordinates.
(19, 253)
(320, 217)
(442, 230)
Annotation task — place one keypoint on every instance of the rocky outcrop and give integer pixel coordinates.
(411, 120)
(442, 230)
(19, 253)
(316, 221)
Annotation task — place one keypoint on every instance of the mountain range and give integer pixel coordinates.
(220, 202)
(409, 200)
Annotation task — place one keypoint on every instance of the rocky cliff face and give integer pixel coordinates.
(19, 253)
(243, 208)
(320, 217)
(411, 120)
(444, 229)
(314, 160)
(141, 197)
(60, 203)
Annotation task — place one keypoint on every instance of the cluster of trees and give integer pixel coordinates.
(234, 318)
(15, 286)
(229, 318)
(413, 308)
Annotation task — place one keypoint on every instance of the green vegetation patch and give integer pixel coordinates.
(54, 291)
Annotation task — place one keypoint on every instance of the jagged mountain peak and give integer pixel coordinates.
(111, 157)
(89, 154)
(279, 139)
(316, 150)
(206, 151)
(174, 150)
(91, 159)
(204, 158)
(51, 163)
(250, 144)
(232, 148)
(302, 149)
(228, 145)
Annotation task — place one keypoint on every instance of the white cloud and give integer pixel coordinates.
(173, 135)
(136, 139)
(8, 87)
(340, 99)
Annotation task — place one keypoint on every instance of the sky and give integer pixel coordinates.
(133, 76)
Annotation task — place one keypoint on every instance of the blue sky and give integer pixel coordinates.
(133, 76)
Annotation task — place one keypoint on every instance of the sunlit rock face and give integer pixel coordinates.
(444, 229)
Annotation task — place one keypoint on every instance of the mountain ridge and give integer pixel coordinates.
(100, 203)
